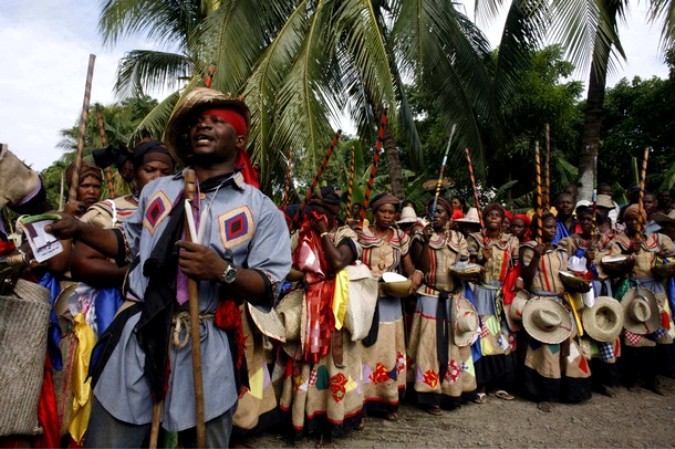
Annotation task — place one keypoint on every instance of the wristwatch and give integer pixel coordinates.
(229, 275)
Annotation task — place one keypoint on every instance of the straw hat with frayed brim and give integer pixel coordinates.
(603, 322)
(547, 321)
(514, 311)
(466, 326)
(269, 323)
(175, 135)
(640, 311)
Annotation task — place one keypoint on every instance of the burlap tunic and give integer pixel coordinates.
(558, 372)
(384, 369)
(423, 370)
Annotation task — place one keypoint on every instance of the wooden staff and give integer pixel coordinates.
(75, 182)
(289, 177)
(193, 295)
(350, 185)
(595, 194)
(318, 175)
(547, 169)
(376, 158)
(439, 183)
(475, 190)
(643, 179)
(104, 143)
(537, 167)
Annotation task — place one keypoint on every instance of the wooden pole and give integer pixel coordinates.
(373, 168)
(643, 179)
(538, 213)
(104, 143)
(350, 184)
(193, 294)
(475, 190)
(547, 170)
(318, 175)
(289, 177)
(75, 182)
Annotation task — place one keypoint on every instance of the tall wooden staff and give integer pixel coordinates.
(475, 190)
(104, 143)
(289, 177)
(439, 183)
(75, 182)
(376, 158)
(547, 170)
(537, 167)
(318, 175)
(643, 178)
(193, 295)
(595, 192)
(350, 185)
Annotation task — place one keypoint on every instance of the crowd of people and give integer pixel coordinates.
(317, 321)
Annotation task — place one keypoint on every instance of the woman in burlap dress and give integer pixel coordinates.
(322, 390)
(439, 371)
(591, 246)
(497, 252)
(385, 248)
(646, 355)
(553, 372)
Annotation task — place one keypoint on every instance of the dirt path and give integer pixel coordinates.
(629, 420)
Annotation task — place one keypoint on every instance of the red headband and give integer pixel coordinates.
(231, 116)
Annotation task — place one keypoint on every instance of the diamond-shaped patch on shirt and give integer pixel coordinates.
(158, 208)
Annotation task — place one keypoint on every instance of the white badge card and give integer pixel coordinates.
(43, 244)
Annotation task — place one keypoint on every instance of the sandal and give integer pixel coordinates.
(505, 395)
(481, 398)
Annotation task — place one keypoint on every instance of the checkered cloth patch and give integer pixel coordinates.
(633, 339)
(660, 332)
(484, 331)
(312, 377)
(606, 351)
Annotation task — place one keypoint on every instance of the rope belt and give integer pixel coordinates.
(181, 327)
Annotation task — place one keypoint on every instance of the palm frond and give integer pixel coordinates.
(145, 70)
(665, 11)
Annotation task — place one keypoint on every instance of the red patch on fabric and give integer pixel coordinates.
(337, 387)
(583, 365)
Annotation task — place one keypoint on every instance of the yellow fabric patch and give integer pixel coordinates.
(255, 381)
(86, 339)
(340, 298)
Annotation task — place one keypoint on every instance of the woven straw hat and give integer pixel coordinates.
(547, 321)
(408, 215)
(640, 311)
(290, 311)
(194, 101)
(514, 311)
(603, 322)
(605, 202)
(268, 323)
(465, 322)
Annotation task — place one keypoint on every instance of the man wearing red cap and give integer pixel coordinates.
(240, 251)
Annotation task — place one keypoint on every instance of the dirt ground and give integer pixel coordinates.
(643, 420)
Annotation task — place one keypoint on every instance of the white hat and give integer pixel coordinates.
(470, 217)
(603, 322)
(583, 203)
(547, 321)
(408, 215)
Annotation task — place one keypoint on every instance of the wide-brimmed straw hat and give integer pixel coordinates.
(604, 202)
(514, 311)
(547, 321)
(269, 323)
(603, 322)
(432, 184)
(465, 324)
(471, 217)
(408, 215)
(191, 103)
(640, 311)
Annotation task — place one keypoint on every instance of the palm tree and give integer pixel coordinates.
(301, 63)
